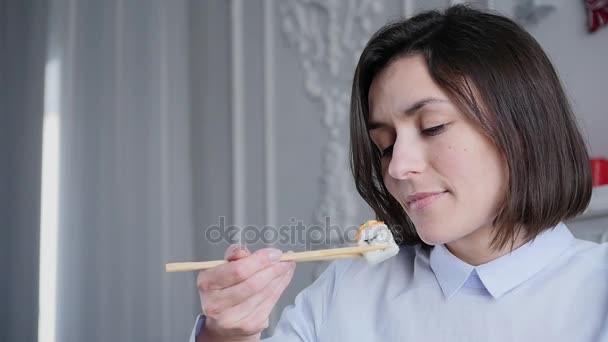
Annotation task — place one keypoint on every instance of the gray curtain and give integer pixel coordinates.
(22, 60)
(125, 204)
(117, 77)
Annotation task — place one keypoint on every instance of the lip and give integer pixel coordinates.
(420, 200)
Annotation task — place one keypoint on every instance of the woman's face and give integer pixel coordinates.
(445, 173)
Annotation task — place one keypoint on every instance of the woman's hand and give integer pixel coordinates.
(237, 297)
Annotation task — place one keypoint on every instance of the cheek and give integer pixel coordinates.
(473, 168)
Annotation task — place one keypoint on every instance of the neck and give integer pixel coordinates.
(474, 249)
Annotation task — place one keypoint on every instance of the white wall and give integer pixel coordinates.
(580, 59)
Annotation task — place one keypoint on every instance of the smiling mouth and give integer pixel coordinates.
(423, 200)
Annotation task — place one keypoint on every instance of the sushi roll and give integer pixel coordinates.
(375, 232)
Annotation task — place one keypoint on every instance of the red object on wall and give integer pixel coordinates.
(597, 14)
(599, 171)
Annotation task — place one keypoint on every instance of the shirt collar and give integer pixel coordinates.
(501, 275)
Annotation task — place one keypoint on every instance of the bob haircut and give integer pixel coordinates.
(498, 75)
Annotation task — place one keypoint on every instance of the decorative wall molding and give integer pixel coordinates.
(269, 116)
(491, 5)
(530, 12)
(407, 9)
(165, 159)
(328, 37)
(238, 120)
(269, 127)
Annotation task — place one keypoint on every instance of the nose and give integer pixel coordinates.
(407, 159)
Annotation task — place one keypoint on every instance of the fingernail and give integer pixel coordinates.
(275, 255)
(233, 248)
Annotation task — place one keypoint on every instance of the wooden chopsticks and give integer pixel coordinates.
(318, 255)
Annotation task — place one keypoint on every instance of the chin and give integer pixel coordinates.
(435, 234)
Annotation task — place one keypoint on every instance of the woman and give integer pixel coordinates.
(464, 143)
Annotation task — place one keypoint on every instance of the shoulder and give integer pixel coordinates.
(584, 261)
(593, 255)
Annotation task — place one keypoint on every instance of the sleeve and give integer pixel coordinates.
(303, 320)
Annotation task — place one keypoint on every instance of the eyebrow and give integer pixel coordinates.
(411, 110)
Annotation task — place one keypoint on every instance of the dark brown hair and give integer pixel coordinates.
(498, 75)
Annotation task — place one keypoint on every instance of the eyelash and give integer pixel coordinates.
(432, 131)
(387, 151)
(435, 130)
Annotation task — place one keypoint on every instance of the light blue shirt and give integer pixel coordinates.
(554, 288)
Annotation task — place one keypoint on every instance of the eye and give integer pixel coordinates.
(387, 151)
(435, 130)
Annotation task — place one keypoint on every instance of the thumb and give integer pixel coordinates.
(236, 252)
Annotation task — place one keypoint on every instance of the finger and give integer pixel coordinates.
(238, 293)
(221, 301)
(247, 307)
(230, 250)
(235, 252)
(259, 306)
(234, 272)
(257, 320)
